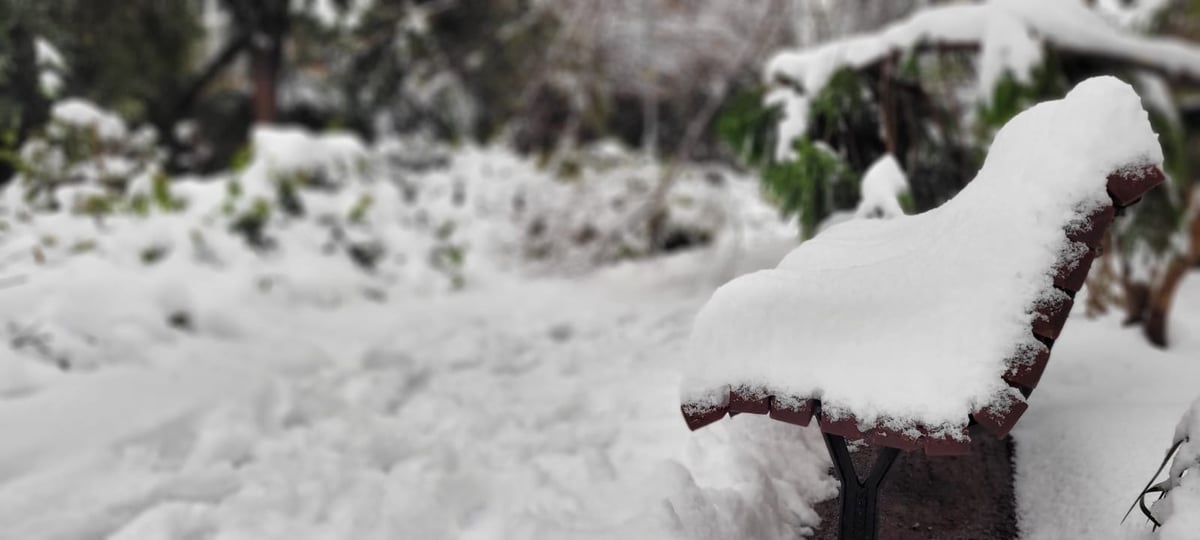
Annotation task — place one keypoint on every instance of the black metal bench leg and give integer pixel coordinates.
(860, 498)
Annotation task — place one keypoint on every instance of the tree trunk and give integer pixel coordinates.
(887, 104)
(1137, 299)
(266, 58)
(1159, 301)
(1162, 295)
(649, 89)
(264, 73)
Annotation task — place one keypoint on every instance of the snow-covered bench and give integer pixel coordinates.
(905, 332)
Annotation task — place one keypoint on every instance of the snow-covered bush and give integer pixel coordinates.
(307, 219)
(809, 177)
(85, 157)
(1176, 514)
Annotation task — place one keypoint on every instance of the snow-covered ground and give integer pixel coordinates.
(545, 409)
(542, 410)
(161, 380)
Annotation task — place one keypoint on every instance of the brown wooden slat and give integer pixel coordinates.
(1093, 226)
(749, 400)
(697, 419)
(1128, 185)
(885, 436)
(846, 426)
(1051, 314)
(1071, 272)
(1027, 372)
(947, 446)
(800, 414)
(999, 420)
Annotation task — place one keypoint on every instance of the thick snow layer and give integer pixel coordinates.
(365, 422)
(912, 319)
(507, 413)
(1005, 45)
(1135, 14)
(285, 150)
(882, 185)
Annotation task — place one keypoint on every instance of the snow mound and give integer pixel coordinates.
(308, 221)
(910, 321)
(83, 114)
(882, 184)
(282, 150)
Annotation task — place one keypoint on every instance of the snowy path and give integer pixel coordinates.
(545, 410)
(542, 410)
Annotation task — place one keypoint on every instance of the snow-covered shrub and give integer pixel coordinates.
(516, 215)
(805, 175)
(1178, 511)
(813, 184)
(308, 219)
(85, 159)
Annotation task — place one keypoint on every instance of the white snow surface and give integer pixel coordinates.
(544, 408)
(367, 421)
(536, 410)
(882, 185)
(911, 320)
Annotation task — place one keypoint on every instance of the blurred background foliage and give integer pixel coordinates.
(677, 80)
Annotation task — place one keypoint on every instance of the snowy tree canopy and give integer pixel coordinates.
(1009, 35)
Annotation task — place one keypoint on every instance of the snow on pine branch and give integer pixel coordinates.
(1009, 35)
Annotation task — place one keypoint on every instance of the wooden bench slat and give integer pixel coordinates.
(748, 400)
(948, 446)
(1127, 186)
(1026, 372)
(800, 415)
(1000, 419)
(1050, 314)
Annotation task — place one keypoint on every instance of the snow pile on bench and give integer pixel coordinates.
(910, 324)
